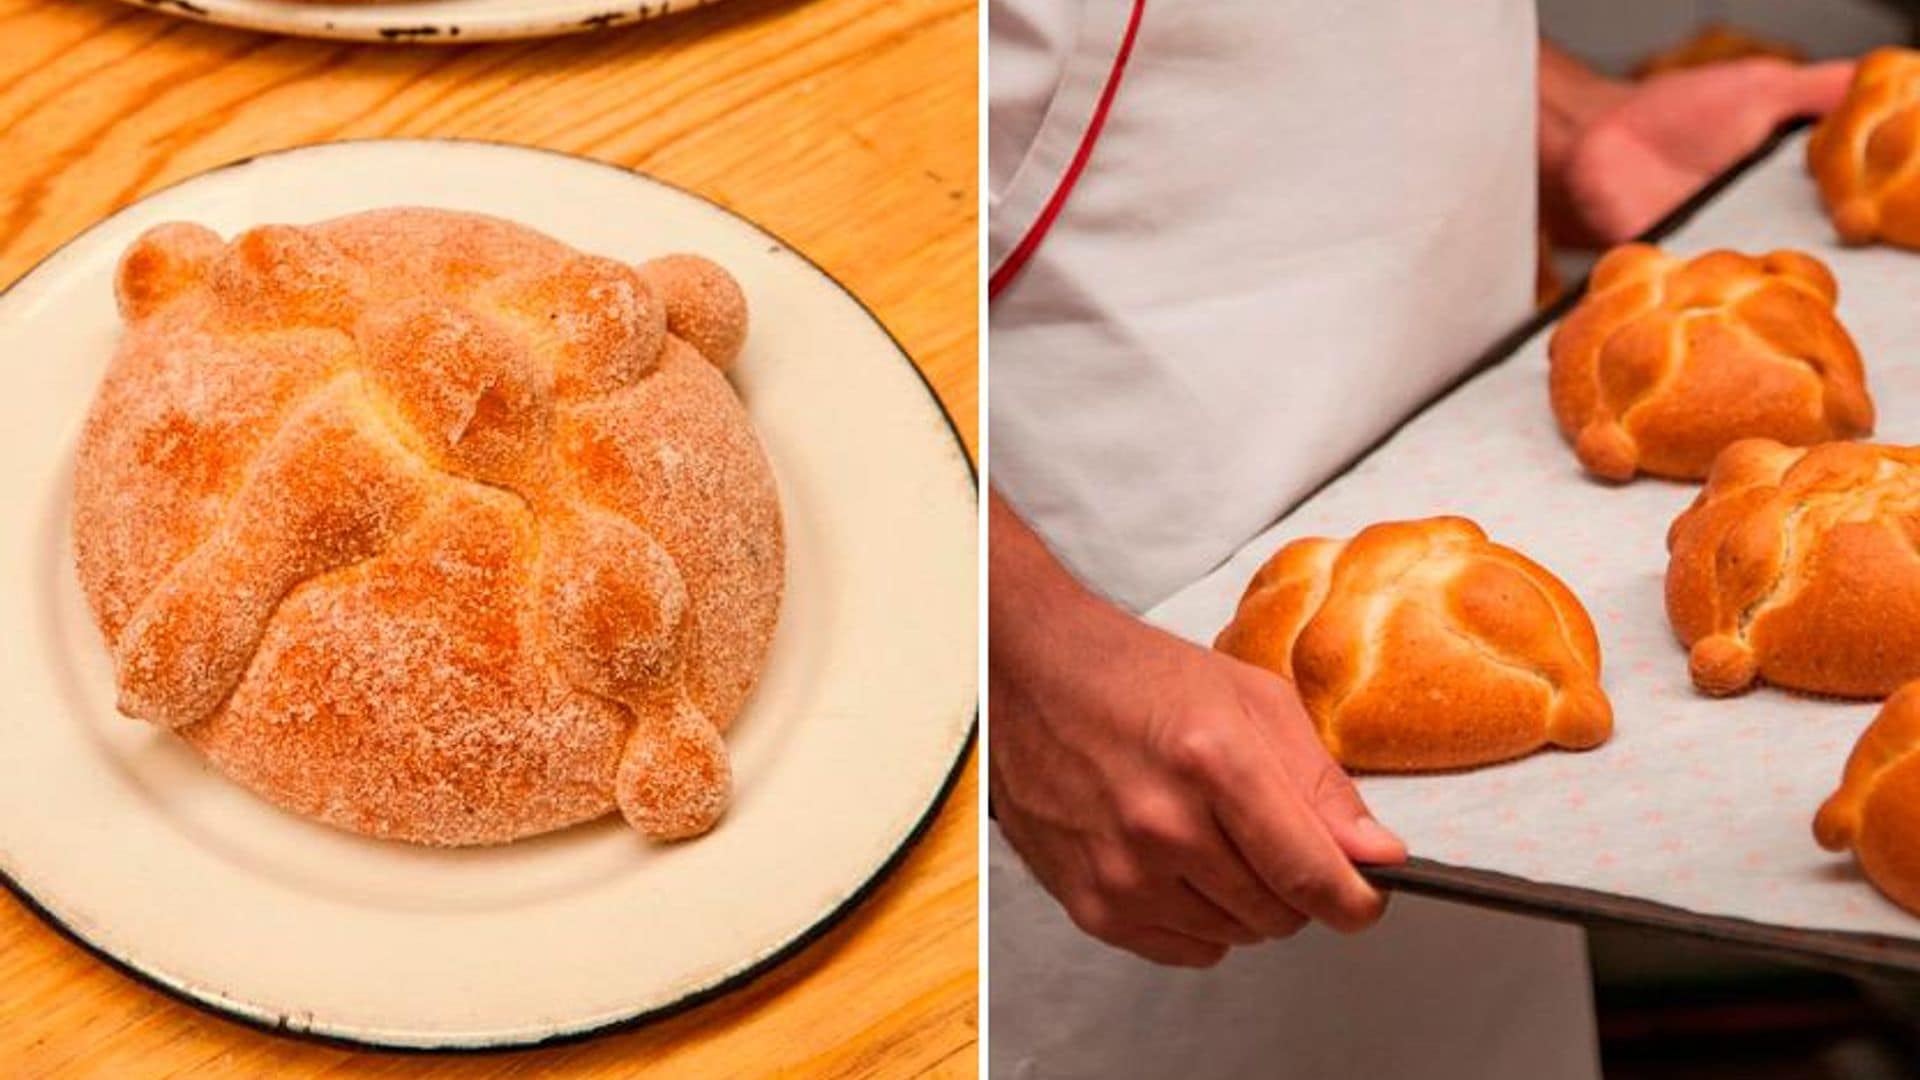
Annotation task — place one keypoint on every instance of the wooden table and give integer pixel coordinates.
(845, 126)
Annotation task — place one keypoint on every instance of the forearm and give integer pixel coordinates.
(1571, 97)
(1175, 801)
(1032, 599)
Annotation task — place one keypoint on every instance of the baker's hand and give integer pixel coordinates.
(1641, 149)
(1175, 800)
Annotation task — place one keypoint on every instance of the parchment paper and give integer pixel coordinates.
(1702, 804)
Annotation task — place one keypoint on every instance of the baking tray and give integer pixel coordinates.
(1697, 816)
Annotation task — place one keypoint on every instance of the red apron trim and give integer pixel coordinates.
(1016, 259)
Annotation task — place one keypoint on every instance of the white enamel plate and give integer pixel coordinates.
(121, 835)
(436, 22)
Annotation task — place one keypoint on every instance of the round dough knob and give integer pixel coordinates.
(674, 776)
(1581, 718)
(705, 307)
(1722, 665)
(614, 603)
(281, 276)
(165, 262)
(597, 320)
(1607, 450)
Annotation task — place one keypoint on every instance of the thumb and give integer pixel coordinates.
(1338, 803)
(1324, 785)
(1814, 89)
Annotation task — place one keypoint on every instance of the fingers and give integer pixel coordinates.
(1782, 89)
(1174, 950)
(1183, 839)
(1334, 799)
(1284, 841)
(1137, 896)
(1293, 853)
(1185, 910)
(1221, 874)
(1165, 922)
(1814, 89)
(1327, 787)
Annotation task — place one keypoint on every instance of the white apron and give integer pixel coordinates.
(1232, 241)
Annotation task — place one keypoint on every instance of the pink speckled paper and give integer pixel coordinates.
(1702, 804)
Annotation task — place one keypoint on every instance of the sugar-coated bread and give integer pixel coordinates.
(1865, 155)
(1799, 566)
(1667, 360)
(1423, 645)
(1876, 812)
(430, 527)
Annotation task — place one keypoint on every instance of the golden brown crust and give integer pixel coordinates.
(1667, 361)
(1876, 811)
(1799, 566)
(1865, 154)
(427, 526)
(1423, 645)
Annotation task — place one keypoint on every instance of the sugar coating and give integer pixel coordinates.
(704, 305)
(429, 527)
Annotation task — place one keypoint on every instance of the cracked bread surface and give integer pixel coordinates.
(1798, 566)
(1666, 361)
(1865, 154)
(1422, 645)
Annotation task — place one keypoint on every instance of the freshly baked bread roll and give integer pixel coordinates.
(1799, 566)
(430, 527)
(1876, 812)
(1865, 155)
(1423, 645)
(1666, 361)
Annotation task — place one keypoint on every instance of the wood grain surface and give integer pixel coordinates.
(845, 126)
